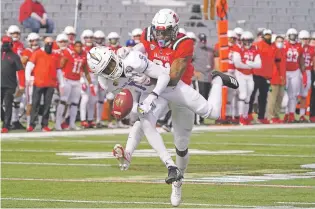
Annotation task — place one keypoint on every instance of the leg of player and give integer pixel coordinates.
(91, 107)
(83, 108)
(64, 96)
(250, 88)
(100, 107)
(293, 91)
(41, 110)
(15, 113)
(242, 95)
(303, 93)
(74, 99)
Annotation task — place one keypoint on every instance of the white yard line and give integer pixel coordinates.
(265, 135)
(56, 164)
(9, 136)
(120, 202)
(297, 203)
(158, 182)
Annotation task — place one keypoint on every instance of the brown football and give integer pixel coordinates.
(122, 104)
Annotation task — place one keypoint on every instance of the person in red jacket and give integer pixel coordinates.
(33, 15)
(277, 82)
(262, 75)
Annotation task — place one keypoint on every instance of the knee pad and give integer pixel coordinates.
(242, 95)
(181, 153)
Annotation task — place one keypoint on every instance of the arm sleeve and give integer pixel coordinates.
(60, 77)
(28, 70)
(160, 73)
(238, 61)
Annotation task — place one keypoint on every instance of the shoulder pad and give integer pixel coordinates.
(178, 41)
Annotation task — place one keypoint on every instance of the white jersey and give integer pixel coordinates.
(136, 66)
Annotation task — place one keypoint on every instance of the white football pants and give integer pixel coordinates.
(294, 79)
(304, 90)
(245, 89)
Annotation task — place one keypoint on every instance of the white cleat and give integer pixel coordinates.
(123, 157)
(121, 125)
(176, 196)
(58, 128)
(112, 125)
(75, 128)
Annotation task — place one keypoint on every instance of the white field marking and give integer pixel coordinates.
(264, 135)
(308, 166)
(61, 140)
(120, 202)
(101, 132)
(158, 182)
(236, 154)
(56, 164)
(297, 203)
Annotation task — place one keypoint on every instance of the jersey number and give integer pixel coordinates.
(292, 56)
(159, 62)
(307, 61)
(249, 57)
(77, 67)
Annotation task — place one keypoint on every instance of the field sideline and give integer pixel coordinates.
(267, 166)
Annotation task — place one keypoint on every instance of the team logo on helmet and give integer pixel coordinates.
(93, 56)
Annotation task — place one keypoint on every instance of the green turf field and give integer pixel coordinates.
(227, 169)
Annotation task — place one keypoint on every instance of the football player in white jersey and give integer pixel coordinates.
(105, 63)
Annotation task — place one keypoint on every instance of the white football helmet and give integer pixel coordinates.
(247, 39)
(232, 37)
(292, 35)
(165, 27)
(239, 31)
(99, 37)
(70, 32)
(113, 38)
(312, 42)
(33, 39)
(62, 41)
(104, 62)
(304, 37)
(191, 35)
(87, 37)
(182, 30)
(14, 32)
(136, 34)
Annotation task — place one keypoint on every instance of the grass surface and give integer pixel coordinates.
(34, 174)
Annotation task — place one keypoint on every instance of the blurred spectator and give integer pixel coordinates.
(33, 16)
(263, 75)
(203, 63)
(10, 64)
(130, 43)
(277, 82)
(46, 68)
(136, 35)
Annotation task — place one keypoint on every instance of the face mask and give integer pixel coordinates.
(279, 45)
(6, 47)
(268, 41)
(48, 48)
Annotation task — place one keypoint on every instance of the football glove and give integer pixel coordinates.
(147, 105)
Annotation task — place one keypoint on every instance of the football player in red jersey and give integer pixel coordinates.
(164, 45)
(88, 91)
(113, 39)
(73, 63)
(15, 33)
(99, 38)
(295, 69)
(70, 32)
(309, 60)
(245, 60)
(33, 41)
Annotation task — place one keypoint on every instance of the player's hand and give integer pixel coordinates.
(304, 79)
(141, 79)
(92, 89)
(147, 105)
(123, 52)
(197, 75)
(84, 87)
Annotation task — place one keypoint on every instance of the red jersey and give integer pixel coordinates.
(232, 49)
(74, 66)
(182, 47)
(86, 49)
(114, 48)
(18, 47)
(293, 52)
(308, 54)
(248, 55)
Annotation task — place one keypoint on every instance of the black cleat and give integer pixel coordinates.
(227, 80)
(17, 126)
(174, 174)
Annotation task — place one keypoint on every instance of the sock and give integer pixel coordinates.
(83, 106)
(28, 121)
(215, 98)
(156, 141)
(302, 111)
(241, 107)
(246, 108)
(292, 105)
(134, 137)
(99, 111)
(182, 162)
(73, 114)
(59, 114)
